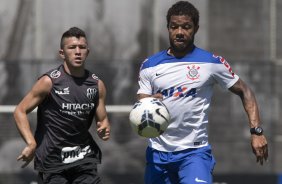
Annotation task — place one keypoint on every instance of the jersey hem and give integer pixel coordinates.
(178, 148)
(61, 168)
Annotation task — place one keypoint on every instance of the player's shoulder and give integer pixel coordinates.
(158, 56)
(154, 60)
(91, 75)
(203, 55)
(45, 83)
(54, 73)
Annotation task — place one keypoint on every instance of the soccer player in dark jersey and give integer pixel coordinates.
(68, 98)
(184, 76)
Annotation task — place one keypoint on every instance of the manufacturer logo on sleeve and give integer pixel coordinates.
(95, 77)
(55, 74)
(200, 181)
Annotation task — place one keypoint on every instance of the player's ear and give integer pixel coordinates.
(196, 28)
(62, 54)
(88, 50)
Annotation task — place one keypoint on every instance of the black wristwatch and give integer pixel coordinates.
(256, 130)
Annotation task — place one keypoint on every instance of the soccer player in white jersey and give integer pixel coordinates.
(184, 76)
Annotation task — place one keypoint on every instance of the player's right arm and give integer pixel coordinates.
(145, 85)
(157, 95)
(34, 97)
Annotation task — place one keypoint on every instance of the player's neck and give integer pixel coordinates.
(180, 54)
(74, 71)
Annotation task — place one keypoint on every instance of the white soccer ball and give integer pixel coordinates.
(149, 117)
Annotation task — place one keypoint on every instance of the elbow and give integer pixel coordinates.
(17, 113)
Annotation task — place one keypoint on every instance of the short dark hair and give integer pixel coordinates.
(183, 8)
(72, 32)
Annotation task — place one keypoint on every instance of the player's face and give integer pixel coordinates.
(181, 31)
(75, 51)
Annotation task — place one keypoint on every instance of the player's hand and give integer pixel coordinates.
(27, 155)
(103, 130)
(260, 148)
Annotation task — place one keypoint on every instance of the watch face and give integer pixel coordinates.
(258, 130)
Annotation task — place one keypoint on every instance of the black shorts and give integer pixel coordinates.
(81, 174)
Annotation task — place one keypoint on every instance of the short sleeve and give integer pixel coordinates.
(223, 74)
(144, 82)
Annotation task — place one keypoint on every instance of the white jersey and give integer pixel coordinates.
(187, 87)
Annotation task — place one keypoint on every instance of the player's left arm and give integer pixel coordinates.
(103, 124)
(258, 142)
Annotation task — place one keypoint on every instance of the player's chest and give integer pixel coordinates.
(75, 92)
(182, 75)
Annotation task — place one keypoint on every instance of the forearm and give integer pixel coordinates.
(24, 127)
(140, 96)
(249, 102)
(251, 108)
(103, 127)
(157, 95)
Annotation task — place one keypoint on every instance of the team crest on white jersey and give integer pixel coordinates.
(193, 72)
(55, 74)
(91, 93)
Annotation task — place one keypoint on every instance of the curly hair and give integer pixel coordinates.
(183, 8)
(72, 32)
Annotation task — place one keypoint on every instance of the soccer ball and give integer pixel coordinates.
(149, 117)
